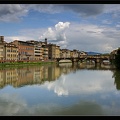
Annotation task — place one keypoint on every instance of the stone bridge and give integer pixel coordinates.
(95, 58)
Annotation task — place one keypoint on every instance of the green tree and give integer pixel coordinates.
(117, 59)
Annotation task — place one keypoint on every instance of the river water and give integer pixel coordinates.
(63, 89)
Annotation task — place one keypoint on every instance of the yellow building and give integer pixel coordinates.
(57, 52)
(11, 52)
(71, 53)
(45, 52)
(2, 50)
(75, 53)
(2, 55)
(65, 53)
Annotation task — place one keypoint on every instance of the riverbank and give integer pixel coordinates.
(18, 63)
(13, 64)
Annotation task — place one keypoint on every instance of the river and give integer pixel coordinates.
(63, 89)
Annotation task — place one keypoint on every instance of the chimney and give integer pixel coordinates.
(2, 39)
(46, 41)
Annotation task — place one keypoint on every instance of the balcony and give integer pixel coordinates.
(37, 53)
(45, 53)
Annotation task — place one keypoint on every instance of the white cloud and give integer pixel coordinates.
(86, 37)
(49, 34)
(62, 26)
(57, 33)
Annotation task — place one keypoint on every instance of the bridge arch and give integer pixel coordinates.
(59, 59)
(65, 60)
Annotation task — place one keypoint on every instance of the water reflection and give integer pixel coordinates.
(63, 89)
(83, 81)
(83, 108)
(18, 77)
(16, 106)
(11, 105)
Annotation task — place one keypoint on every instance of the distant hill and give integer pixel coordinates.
(93, 53)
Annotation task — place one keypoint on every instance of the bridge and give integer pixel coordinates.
(95, 58)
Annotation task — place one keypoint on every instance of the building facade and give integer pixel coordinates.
(10, 51)
(25, 50)
(2, 48)
(51, 51)
(57, 52)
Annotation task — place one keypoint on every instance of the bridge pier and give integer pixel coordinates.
(98, 61)
(75, 61)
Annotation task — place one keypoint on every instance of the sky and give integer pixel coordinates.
(85, 27)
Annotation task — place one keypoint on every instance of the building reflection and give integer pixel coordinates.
(18, 77)
(30, 75)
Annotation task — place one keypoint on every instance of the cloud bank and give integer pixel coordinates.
(15, 12)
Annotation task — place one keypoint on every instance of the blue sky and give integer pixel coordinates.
(86, 27)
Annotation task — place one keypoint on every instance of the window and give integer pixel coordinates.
(8, 55)
(8, 50)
